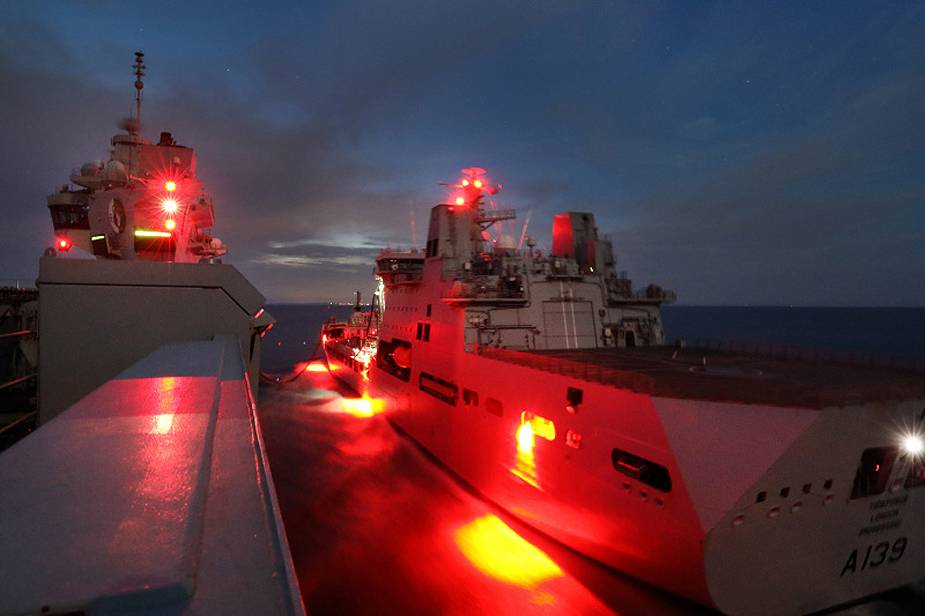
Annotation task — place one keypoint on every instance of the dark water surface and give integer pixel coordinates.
(377, 527)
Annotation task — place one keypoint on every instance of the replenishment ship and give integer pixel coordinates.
(750, 480)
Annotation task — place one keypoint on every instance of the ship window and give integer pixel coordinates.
(784, 492)
(420, 330)
(439, 388)
(873, 472)
(470, 398)
(574, 396)
(762, 496)
(427, 332)
(494, 407)
(640, 469)
(428, 309)
(70, 216)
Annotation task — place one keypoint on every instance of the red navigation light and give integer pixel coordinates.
(460, 201)
(170, 186)
(477, 183)
(170, 206)
(465, 182)
(63, 244)
(170, 224)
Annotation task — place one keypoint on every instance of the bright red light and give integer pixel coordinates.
(64, 244)
(169, 206)
(465, 182)
(170, 186)
(477, 183)
(170, 224)
(460, 201)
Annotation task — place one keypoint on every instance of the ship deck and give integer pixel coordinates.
(727, 376)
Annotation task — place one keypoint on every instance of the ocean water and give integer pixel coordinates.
(884, 332)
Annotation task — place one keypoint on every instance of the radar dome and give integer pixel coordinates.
(115, 172)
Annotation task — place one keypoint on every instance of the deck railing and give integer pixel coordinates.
(806, 354)
(624, 379)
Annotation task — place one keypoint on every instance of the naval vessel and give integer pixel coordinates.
(749, 482)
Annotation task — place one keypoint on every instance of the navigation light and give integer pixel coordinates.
(169, 205)
(170, 186)
(477, 183)
(460, 201)
(63, 244)
(170, 224)
(465, 182)
(913, 445)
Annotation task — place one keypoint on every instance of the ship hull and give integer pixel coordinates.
(704, 538)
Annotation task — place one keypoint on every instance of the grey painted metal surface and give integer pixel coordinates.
(100, 316)
(150, 495)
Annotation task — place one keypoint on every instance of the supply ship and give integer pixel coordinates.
(751, 482)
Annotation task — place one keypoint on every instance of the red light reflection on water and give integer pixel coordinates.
(361, 407)
(496, 550)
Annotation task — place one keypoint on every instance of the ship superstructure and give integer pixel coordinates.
(146, 202)
(753, 484)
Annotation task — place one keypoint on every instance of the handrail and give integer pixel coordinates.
(806, 354)
(624, 379)
(17, 381)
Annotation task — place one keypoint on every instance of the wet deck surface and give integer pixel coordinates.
(376, 527)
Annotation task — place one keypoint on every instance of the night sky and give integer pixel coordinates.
(739, 153)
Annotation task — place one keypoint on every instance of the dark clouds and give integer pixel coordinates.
(737, 154)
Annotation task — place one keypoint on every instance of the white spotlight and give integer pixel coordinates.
(913, 445)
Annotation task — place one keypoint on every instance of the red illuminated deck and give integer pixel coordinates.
(725, 376)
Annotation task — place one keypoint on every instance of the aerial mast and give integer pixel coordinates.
(139, 85)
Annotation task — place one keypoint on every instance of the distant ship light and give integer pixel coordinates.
(170, 206)
(913, 445)
(170, 186)
(170, 224)
(465, 182)
(460, 201)
(477, 183)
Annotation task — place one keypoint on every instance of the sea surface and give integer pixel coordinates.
(376, 526)
(884, 332)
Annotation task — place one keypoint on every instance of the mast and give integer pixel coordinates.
(139, 86)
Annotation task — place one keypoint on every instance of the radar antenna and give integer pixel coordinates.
(139, 86)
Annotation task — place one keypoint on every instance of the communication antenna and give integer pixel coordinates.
(523, 233)
(414, 227)
(139, 84)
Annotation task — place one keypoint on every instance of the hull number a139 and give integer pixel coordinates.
(875, 555)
